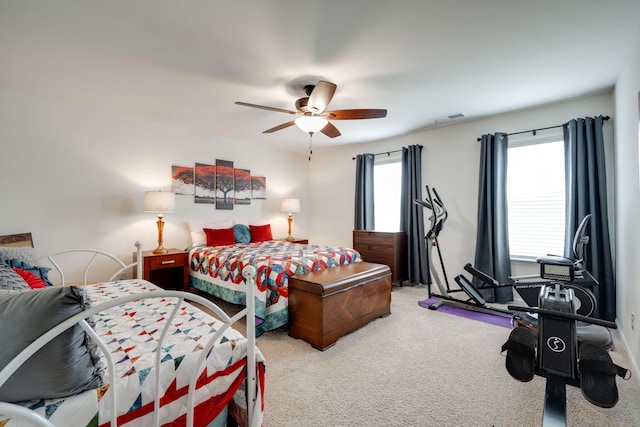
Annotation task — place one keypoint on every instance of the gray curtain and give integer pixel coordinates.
(411, 215)
(587, 193)
(364, 215)
(492, 238)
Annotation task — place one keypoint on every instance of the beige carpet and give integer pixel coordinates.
(417, 367)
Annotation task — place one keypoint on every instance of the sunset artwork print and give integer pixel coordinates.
(242, 186)
(205, 189)
(224, 184)
(182, 180)
(258, 187)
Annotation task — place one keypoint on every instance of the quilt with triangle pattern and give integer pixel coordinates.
(217, 270)
(130, 331)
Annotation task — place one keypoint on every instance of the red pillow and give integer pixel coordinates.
(260, 233)
(32, 280)
(219, 236)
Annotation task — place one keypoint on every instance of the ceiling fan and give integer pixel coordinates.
(312, 114)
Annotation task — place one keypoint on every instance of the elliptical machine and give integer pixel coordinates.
(475, 301)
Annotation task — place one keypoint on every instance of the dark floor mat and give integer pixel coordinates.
(598, 376)
(521, 354)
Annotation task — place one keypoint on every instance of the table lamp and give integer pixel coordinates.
(290, 206)
(159, 201)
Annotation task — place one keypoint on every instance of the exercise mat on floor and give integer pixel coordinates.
(493, 319)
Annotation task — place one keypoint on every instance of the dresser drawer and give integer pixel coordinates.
(373, 238)
(166, 261)
(373, 250)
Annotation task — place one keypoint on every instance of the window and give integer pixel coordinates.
(536, 197)
(387, 181)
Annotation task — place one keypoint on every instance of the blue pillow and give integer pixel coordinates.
(41, 272)
(241, 233)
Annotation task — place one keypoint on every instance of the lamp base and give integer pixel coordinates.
(160, 251)
(290, 238)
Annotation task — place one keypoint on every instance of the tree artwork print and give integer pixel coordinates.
(182, 180)
(205, 179)
(224, 184)
(258, 187)
(242, 186)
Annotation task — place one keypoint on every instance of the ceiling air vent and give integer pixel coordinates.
(449, 118)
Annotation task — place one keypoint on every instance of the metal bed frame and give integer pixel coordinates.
(253, 410)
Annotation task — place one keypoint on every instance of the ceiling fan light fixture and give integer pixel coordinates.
(311, 124)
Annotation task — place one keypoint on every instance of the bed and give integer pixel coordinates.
(133, 334)
(216, 263)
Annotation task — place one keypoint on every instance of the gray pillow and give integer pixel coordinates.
(23, 253)
(67, 365)
(39, 271)
(241, 233)
(11, 281)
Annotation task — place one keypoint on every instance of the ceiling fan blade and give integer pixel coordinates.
(330, 130)
(355, 114)
(320, 97)
(280, 127)
(262, 107)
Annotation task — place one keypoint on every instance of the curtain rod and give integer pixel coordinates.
(388, 153)
(535, 130)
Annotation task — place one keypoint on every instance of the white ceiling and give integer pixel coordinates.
(185, 63)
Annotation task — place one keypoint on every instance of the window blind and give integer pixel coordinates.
(536, 198)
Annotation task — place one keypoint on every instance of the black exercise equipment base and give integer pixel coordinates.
(555, 397)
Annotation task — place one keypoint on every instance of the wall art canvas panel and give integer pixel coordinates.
(258, 187)
(224, 184)
(242, 186)
(205, 188)
(182, 181)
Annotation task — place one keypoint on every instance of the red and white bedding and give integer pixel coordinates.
(217, 270)
(130, 331)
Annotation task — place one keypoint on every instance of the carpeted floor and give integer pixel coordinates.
(417, 367)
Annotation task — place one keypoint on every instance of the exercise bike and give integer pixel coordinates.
(556, 353)
(528, 287)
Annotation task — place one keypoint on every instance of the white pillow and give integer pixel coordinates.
(198, 238)
(258, 222)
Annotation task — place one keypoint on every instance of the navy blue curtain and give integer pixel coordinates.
(587, 194)
(492, 238)
(364, 207)
(411, 216)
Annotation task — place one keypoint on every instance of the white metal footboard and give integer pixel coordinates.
(95, 254)
(252, 385)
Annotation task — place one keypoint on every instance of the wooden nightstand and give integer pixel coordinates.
(169, 271)
(296, 240)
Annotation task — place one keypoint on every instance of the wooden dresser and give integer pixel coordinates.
(381, 247)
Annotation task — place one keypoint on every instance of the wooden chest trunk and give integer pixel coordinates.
(325, 305)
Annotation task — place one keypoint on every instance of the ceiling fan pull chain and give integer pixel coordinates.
(310, 148)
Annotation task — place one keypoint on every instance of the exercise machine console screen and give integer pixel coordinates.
(557, 270)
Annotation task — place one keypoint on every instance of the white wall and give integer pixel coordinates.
(450, 159)
(76, 178)
(628, 201)
(450, 163)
